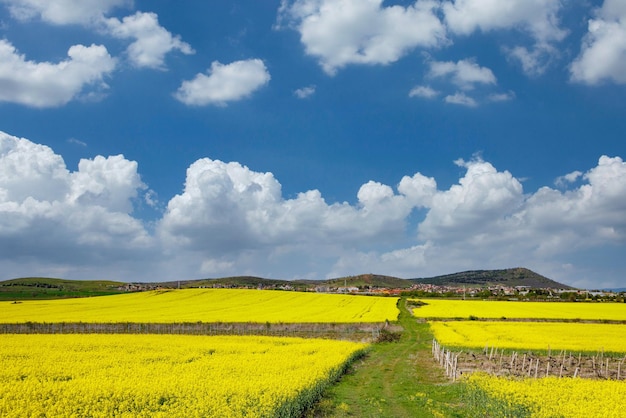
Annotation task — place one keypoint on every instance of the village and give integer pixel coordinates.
(416, 290)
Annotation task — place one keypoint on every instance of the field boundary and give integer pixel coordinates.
(366, 332)
(503, 319)
(500, 362)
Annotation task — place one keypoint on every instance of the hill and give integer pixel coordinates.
(369, 280)
(483, 278)
(362, 281)
(52, 288)
(235, 281)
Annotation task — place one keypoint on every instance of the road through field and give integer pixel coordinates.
(396, 379)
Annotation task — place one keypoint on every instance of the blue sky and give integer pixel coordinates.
(162, 140)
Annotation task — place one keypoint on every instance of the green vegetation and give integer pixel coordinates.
(369, 280)
(235, 282)
(396, 379)
(482, 278)
(50, 288)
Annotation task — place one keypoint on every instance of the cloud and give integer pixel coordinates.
(465, 74)
(501, 97)
(77, 142)
(224, 83)
(44, 84)
(340, 33)
(63, 12)
(425, 92)
(226, 206)
(602, 56)
(537, 17)
(151, 41)
(57, 219)
(462, 99)
(534, 61)
(482, 195)
(304, 92)
(563, 181)
(230, 219)
(487, 221)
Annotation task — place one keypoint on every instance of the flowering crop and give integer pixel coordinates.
(554, 397)
(205, 305)
(165, 375)
(435, 308)
(531, 335)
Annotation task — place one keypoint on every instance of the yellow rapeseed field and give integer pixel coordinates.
(531, 335)
(111, 375)
(205, 305)
(553, 397)
(436, 308)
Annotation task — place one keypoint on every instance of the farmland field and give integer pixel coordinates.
(553, 397)
(503, 385)
(206, 305)
(165, 375)
(531, 335)
(436, 308)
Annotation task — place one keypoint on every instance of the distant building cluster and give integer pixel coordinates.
(421, 289)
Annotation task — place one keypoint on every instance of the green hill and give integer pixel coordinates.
(51, 288)
(369, 280)
(235, 281)
(483, 278)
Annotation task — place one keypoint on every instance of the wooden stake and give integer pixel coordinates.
(537, 368)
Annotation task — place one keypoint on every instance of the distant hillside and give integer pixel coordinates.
(369, 280)
(482, 278)
(362, 280)
(51, 288)
(235, 281)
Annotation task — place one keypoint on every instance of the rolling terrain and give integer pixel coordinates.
(52, 288)
(482, 278)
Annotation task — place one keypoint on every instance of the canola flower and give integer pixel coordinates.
(165, 375)
(531, 335)
(435, 308)
(205, 305)
(553, 397)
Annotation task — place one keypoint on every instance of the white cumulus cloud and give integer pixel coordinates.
(603, 53)
(426, 92)
(344, 32)
(304, 92)
(460, 98)
(45, 84)
(151, 41)
(534, 61)
(487, 221)
(537, 17)
(230, 219)
(465, 74)
(63, 12)
(224, 83)
(52, 218)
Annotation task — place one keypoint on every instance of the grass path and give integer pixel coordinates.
(397, 379)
